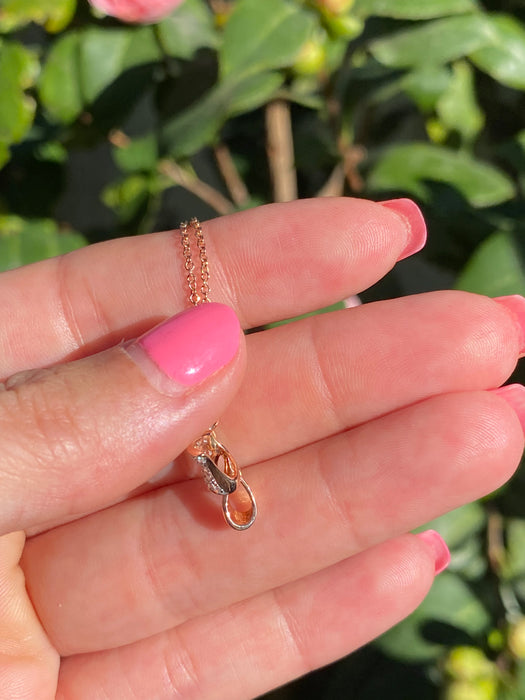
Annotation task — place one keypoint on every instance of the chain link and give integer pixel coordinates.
(203, 294)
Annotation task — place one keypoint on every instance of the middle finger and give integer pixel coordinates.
(324, 374)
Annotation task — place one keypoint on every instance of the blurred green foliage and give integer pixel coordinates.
(108, 129)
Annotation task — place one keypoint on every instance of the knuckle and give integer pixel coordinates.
(38, 412)
(327, 384)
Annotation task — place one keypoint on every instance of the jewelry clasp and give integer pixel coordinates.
(223, 477)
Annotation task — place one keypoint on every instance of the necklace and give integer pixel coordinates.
(220, 471)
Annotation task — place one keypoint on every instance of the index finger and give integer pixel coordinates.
(269, 263)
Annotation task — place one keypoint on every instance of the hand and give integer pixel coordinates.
(351, 427)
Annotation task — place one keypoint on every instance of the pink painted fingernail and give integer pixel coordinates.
(515, 303)
(414, 221)
(514, 395)
(438, 547)
(193, 345)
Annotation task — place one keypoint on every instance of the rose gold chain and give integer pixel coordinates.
(220, 471)
(203, 295)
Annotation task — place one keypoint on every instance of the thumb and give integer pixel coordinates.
(75, 437)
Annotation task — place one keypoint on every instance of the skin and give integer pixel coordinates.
(352, 428)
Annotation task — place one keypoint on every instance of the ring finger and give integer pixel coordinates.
(147, 563)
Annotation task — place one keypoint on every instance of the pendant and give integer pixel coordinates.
(223, 477)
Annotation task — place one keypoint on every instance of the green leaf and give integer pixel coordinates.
(435, 42)
(23, 241)
(5, 154)
(450, 601)
(512, 694)
(408, 9)
(55, 15)
(59, 86)
(520, 681)
(254, 92)
(189, 28)
(469, 559)
(18, 70)
(426, 85)
(128, 196)
(106, 53)
(51, 151)
(102, 54)
(82, 65)
(457, 107)
(496, 268)
(137, 155)
(261, 36)
(407, 166)
(504, 57)
(512, 153)
(304, 90)
(258, 37)
(514, 563)
(199, 125)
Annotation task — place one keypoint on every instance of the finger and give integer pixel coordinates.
(317, 506)
(75, 437)
(264, 642)
(319, 376)
(28, 663)
(269, 263)
(302, 385)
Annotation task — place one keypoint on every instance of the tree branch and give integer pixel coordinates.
(335, 185)
(352, 158)
(235, 184)
(279, 148)
(193, 184)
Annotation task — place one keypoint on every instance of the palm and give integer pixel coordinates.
(351, 427)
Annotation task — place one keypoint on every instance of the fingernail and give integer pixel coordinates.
(514, 395)
(515, 303)
(414, 221)
(438, 547)
(193, 345)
